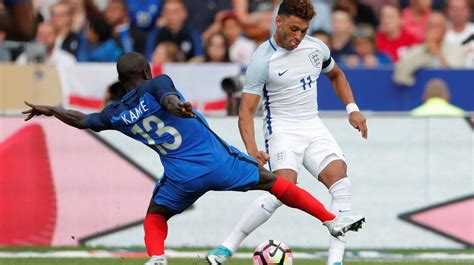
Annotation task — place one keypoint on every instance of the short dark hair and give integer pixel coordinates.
(299, 8)
(130, 66)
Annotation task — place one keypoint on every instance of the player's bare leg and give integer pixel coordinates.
(156, 230)
(334, 177)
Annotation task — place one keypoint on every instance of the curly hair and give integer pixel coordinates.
(299, 8)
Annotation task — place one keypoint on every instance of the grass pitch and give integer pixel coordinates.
(200, 261)
(133, 261)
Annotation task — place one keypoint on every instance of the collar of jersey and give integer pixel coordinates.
(273, 43)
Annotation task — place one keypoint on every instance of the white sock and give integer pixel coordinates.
(340, 205)
(258, 213)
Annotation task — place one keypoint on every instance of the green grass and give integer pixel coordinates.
(307, 250)
(202, 262)
(197, 261)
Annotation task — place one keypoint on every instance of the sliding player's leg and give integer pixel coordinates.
(258, 213)
(295, 197)
(286, 156)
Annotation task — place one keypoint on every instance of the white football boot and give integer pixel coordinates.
(341, 224)
(157, 260)
(218, 256)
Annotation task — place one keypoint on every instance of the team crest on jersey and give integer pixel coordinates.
(280, 156)
(315, 58)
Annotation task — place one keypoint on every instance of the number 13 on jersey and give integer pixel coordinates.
(151, 135)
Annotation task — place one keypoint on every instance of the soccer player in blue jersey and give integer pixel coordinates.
(194, 158)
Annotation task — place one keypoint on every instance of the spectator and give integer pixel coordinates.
(202, 14)
(434, 52)
(343, 27)
(322, 20)
(360, 13)
(415, 18)
(99, 45)
(172, 26)
(82, 12)
(61, 19)
(435, 4)
(256, 17)
(5, 55)
(323, 36)
(364, 45)
(144, 13)
(436, 101)
(114, 93)
(128, 36)
(241, 48)
(165, 52)
(460, 30)
(377, 5)
(43, 49)
(18, 20)
(216, 50)
(392, 38)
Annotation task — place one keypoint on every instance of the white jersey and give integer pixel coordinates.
(287, 80)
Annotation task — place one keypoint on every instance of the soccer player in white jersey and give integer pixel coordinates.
(283, 73)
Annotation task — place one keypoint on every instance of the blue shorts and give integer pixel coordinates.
(238, 173)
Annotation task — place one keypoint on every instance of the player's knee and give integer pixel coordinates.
(161, 210)
(267, 179)
(331, 175)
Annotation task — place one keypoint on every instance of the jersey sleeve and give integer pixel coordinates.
(98, 121)
(162, 86)
(328, 61)
(256, 75)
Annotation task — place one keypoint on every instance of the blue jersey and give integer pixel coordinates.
(187, 147)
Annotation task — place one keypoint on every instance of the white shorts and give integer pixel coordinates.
(310, 145)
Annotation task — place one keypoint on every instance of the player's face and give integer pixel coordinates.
(290, 31)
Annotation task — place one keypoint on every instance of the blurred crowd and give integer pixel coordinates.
(360, 33)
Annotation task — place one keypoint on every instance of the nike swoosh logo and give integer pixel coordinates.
(272, 254)
(282, 73)
(341, 211)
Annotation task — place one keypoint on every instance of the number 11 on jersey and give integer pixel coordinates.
(304, 83)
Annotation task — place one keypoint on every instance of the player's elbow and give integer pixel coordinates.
(245, 114)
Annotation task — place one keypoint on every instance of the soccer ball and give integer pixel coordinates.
(272, 252)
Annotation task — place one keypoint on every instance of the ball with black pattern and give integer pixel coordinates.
(273, 252)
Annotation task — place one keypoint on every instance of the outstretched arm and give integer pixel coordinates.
(71, 117)
(344, 92)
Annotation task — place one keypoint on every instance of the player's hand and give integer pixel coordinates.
(261, 156)
(177, 107)
(358, 121)
(186, 110)
(182, 109)
(36, 110)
